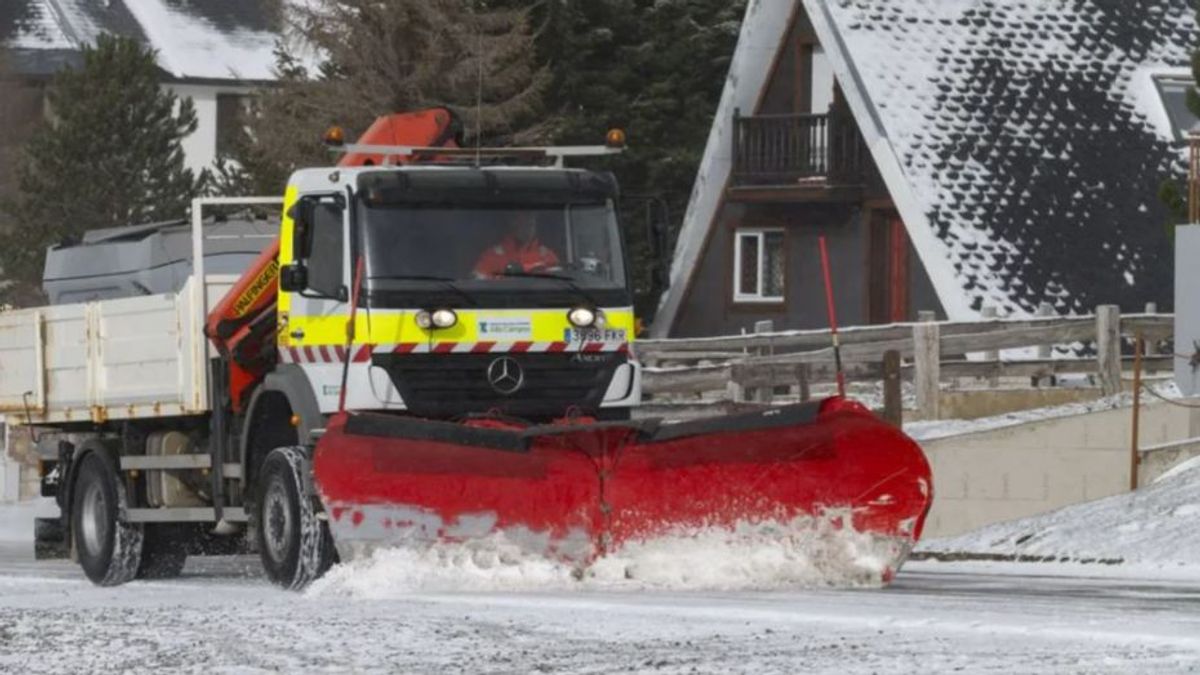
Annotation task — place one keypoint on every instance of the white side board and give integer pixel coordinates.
(111, 359)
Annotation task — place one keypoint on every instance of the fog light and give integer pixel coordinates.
(582, 317)
(424, 320)
(444, 318)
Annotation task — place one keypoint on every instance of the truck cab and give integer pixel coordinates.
(481, 289)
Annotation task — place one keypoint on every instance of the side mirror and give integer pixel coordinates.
(293, 278)
(303, 215)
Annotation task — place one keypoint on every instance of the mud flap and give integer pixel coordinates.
(50, 539)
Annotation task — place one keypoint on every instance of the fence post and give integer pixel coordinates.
(990, 314)
(1108, 348)
(734, 388)
(1044, 310)
(926, 316)
(764, 394)
(1151, 345)
(893, 404)
(1134, 449)
(927, 366)
(802, 378)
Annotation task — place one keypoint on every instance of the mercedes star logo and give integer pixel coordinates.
(505, 375)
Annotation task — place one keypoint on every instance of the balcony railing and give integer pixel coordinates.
(783, 150)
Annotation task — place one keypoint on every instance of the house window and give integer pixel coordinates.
(1173, 91)
(758, 266)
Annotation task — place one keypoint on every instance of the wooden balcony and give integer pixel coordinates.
(797, 157)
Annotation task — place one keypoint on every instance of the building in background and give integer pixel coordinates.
(956, 156)
(217, 52)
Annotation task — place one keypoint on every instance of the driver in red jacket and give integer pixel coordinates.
(519, 251)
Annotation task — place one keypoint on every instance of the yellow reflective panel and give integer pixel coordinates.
(284, 302)
(380, 327)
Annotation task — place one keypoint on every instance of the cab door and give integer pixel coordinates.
(316, 316)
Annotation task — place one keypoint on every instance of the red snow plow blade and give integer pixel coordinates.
(577, 492)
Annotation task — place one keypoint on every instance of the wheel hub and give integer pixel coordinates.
(277, 521)
(95, 519)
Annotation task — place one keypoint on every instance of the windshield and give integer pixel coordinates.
(489, 247)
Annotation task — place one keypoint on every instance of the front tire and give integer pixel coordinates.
(109, 549)
(294, 545)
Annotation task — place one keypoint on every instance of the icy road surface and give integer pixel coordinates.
(221, 617)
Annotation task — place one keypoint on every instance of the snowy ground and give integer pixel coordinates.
(222, 618)
(1152, 531)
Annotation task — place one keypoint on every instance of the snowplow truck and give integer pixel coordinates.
(436, 349)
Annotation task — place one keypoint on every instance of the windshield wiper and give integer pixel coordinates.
(445, 281)
(556, 277)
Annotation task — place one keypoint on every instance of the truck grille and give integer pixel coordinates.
(438, 385)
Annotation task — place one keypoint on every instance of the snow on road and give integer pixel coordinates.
(804, 552)
(222, 618)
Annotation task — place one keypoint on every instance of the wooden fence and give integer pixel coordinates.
(929, 352)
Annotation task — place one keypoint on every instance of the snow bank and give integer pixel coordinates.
(752, 557)
(1155, 527)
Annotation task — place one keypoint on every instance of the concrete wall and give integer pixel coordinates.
(970, 404)
(991, 476)
(1156, 462)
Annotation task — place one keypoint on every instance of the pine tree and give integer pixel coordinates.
(385, 57)
(111, 155)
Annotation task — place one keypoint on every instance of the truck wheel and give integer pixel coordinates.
(295, 546)
(109, 549)
(163, 552)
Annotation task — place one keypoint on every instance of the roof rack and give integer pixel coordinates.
(556, 153)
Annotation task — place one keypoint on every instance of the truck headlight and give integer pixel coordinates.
(444, 318)
(582, 317)
(438, 318)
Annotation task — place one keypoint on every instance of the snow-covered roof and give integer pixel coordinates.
(1023, 142)
(195, 39)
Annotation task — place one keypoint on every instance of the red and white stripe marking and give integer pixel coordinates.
(362, 353)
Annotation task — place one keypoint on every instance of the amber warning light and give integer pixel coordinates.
(334, 136)
(615, 138)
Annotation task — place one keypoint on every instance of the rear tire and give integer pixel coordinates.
(163, 552)
(109, 549)
(294, 545)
